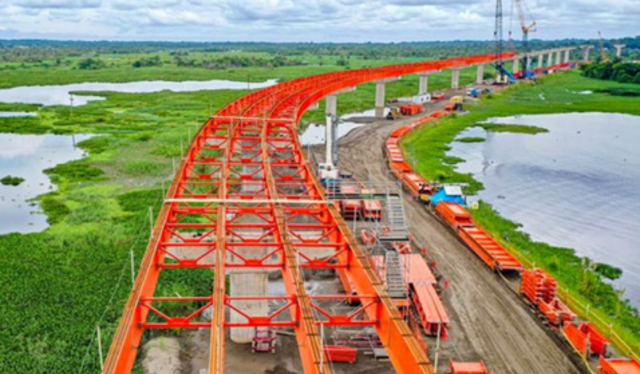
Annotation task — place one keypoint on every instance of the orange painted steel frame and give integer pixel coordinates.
(250, 151)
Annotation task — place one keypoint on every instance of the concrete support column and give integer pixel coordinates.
(550, 59)
(455, 78)
(248, 282)
(567, 55)
(516, 65)
(480, 74)
(380, 95)
(423, 86)
(585, 53)
(619, 48)
(380, 92)
(527, 61)
(331, 129)
(331, 105)
(558, 57)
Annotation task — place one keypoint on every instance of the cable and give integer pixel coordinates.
(140, 230)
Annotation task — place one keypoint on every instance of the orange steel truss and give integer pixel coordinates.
(245, 184)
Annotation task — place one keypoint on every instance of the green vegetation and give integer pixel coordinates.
(584, 280)
(76, 274)
(471, 140)
(11, 181)
(621, 91)
(516, 129)
(616, 70)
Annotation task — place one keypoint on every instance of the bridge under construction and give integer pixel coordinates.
(246, 203)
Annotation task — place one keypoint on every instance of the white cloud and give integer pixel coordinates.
(309, 20)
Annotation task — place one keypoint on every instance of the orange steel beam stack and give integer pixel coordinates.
(245, 173)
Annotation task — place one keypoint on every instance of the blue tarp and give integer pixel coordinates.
(449, 194)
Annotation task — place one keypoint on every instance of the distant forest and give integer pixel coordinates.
(30, 51)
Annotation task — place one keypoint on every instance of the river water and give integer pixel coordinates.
(577, 186)
(60, 94)
(26, 156)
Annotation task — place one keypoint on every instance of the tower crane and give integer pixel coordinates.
(526, 29)
(497, 39)
(603, 54)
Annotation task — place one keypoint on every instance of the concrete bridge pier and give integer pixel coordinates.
(455, 77)
(585, 52)
(480, 74)
(516, 64)
(331, 130)
(380, 95)
(423, 85)
(549, 58)
(619, 48)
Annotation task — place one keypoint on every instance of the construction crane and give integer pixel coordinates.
(499, 43)
(526, 29)
(603, 54)
(503, 76)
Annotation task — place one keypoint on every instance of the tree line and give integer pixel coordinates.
(616, 70)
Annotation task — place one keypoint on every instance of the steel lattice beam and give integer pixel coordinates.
(246, 161)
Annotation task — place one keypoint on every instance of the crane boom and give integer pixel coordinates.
(526, 28)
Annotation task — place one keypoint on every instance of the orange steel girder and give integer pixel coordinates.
(250, 151)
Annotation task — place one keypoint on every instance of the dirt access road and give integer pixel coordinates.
(488, 320)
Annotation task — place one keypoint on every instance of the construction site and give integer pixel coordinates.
(340, 257)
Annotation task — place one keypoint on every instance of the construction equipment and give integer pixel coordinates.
(603, 54)
(526, 29)
(411, 109)
(501, 77)
(264, 340)
(437, 95)
(394, 114)
(455, 104)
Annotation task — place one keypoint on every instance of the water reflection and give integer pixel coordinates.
(577, 186)
(60, 94)
(17, 114)
(314, 134)
(26, 156)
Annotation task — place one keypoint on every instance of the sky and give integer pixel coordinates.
(309, 20)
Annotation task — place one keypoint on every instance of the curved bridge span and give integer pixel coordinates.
(245, 197)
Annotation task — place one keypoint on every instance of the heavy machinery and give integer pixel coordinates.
(394, 114)
(526, 29)
(603, 53)
(455, 104)
(503, 76)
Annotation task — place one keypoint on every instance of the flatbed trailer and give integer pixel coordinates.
(619, 366)
(484, 246)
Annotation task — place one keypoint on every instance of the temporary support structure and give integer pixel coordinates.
(244, 197)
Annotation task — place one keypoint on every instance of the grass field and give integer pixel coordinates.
(429, 145)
